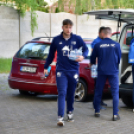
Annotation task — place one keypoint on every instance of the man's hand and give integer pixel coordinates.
(79, 59)
(45, 71)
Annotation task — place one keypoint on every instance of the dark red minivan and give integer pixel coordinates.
(27, 72)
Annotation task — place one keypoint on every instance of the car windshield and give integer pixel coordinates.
(34, 51)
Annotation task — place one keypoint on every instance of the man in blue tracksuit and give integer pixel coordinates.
(67, 70)
(96, 41)
(108, 53)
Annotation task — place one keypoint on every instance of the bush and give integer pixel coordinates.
(5, 65)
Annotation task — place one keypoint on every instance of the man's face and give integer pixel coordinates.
(101, 35)
(67, 29)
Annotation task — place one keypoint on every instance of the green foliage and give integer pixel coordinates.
(87, 5)
(61, 5)
(41, 3)
(27, 5)
(57, 10)
(5, 65)
(42, 9)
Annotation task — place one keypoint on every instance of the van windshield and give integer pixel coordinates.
(34, 51)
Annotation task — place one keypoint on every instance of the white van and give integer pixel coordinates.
(126, 35)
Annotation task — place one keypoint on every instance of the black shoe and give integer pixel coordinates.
(103, 104)
(97, 114)
(116, 117)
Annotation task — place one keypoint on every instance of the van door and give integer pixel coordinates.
(127, 35)
(122, 15)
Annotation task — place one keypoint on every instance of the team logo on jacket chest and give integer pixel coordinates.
(73, 42)
(65, 50)
(60, 42)
(58, 74)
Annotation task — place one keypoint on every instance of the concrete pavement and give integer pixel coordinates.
(38, 115)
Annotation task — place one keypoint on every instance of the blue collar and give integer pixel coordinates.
(61, 35)
(99, 38)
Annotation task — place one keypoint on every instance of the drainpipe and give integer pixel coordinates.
(76, 23)
(50, 22)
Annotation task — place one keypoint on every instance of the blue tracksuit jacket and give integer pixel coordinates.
(63, 48)
(108, 54)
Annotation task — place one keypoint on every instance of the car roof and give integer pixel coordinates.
(124, 15)
(115, 33)
(37, 41)
(44, 40)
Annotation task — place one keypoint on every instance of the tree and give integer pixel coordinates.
(88, 5)
(42, 6)
(57, 10)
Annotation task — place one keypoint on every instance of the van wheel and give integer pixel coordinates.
(127, 100)
(22, 92)
(81, 91)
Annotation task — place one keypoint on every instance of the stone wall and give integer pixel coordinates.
(15, 30)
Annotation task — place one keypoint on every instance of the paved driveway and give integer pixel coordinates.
(37, 115)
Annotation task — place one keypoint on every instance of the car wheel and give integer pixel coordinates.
(22, 92)
(127, 100)
(81, 91)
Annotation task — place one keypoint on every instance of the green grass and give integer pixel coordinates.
(5, 65)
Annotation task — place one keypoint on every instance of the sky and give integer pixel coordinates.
(50, 2)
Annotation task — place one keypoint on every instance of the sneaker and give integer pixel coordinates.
(97, 114)
(116, 117)
(103, 104)
(70, 117)
(60, 121)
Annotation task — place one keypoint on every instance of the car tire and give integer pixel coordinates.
(127, 100)
(22, 92)
(81, 91)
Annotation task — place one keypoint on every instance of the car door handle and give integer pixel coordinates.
(87, 68)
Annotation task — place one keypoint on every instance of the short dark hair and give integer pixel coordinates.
(101, 29)
(107, 30)
(67, 22)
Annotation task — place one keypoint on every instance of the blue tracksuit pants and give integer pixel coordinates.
(114, 83)
(66, 85)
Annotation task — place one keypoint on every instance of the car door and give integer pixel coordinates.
(125, 16)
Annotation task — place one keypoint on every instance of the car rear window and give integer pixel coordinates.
(34, 51)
